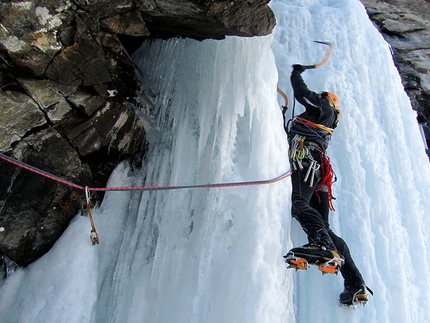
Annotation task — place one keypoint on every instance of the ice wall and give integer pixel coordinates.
(215, 255)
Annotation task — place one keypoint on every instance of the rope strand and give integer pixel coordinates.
(141, 188)
(94, 236)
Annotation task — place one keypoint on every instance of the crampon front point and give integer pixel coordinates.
(355, 303)
(360, 297)
(296, 263)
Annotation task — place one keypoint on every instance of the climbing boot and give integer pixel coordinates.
(328, 261)
(355, 295)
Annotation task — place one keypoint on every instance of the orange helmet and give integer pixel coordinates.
(332, 98)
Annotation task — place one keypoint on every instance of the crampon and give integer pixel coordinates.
(360, 297)
(296, 263)
(331, 266)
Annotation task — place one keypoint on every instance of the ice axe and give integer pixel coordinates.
(326, 58)
(308, 67)
(285, 106)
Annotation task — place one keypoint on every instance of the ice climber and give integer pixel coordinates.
(312, 176)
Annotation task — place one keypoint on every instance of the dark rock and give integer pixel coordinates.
(207, 19)
(19, 115)
(29, 33)
(30, 225)
(128, 24)
(52, 102)
(235, 15)
(406, 27)
(80, 64)
(112, 127)
(96, 72)
(86, 102)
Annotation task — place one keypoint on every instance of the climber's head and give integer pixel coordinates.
(331, 98)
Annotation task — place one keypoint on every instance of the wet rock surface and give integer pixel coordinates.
(405, 25)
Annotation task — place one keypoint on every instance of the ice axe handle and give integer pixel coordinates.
(309, 67)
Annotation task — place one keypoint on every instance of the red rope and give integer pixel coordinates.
(327, 174)
(140, 188)
(40, 172)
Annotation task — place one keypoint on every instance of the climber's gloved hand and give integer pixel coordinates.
(298, 68)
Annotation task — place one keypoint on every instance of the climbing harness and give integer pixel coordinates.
(311, 130)
(94, 236)
(301, 157)
(314, 126)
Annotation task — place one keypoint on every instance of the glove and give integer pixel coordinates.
(298, 68)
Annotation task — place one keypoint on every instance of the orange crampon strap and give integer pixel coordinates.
(298, 263)
(361, 298)
(331, 266)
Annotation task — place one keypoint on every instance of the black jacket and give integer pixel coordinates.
(318, 110)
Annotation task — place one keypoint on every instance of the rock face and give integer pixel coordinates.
(67, 90)
(405, 25)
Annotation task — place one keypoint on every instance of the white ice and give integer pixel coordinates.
(215, 255)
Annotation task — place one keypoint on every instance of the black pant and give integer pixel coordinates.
(311, 208)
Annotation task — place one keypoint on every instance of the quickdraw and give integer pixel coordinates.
(94, 236)
(313, 167)
(298, 152)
